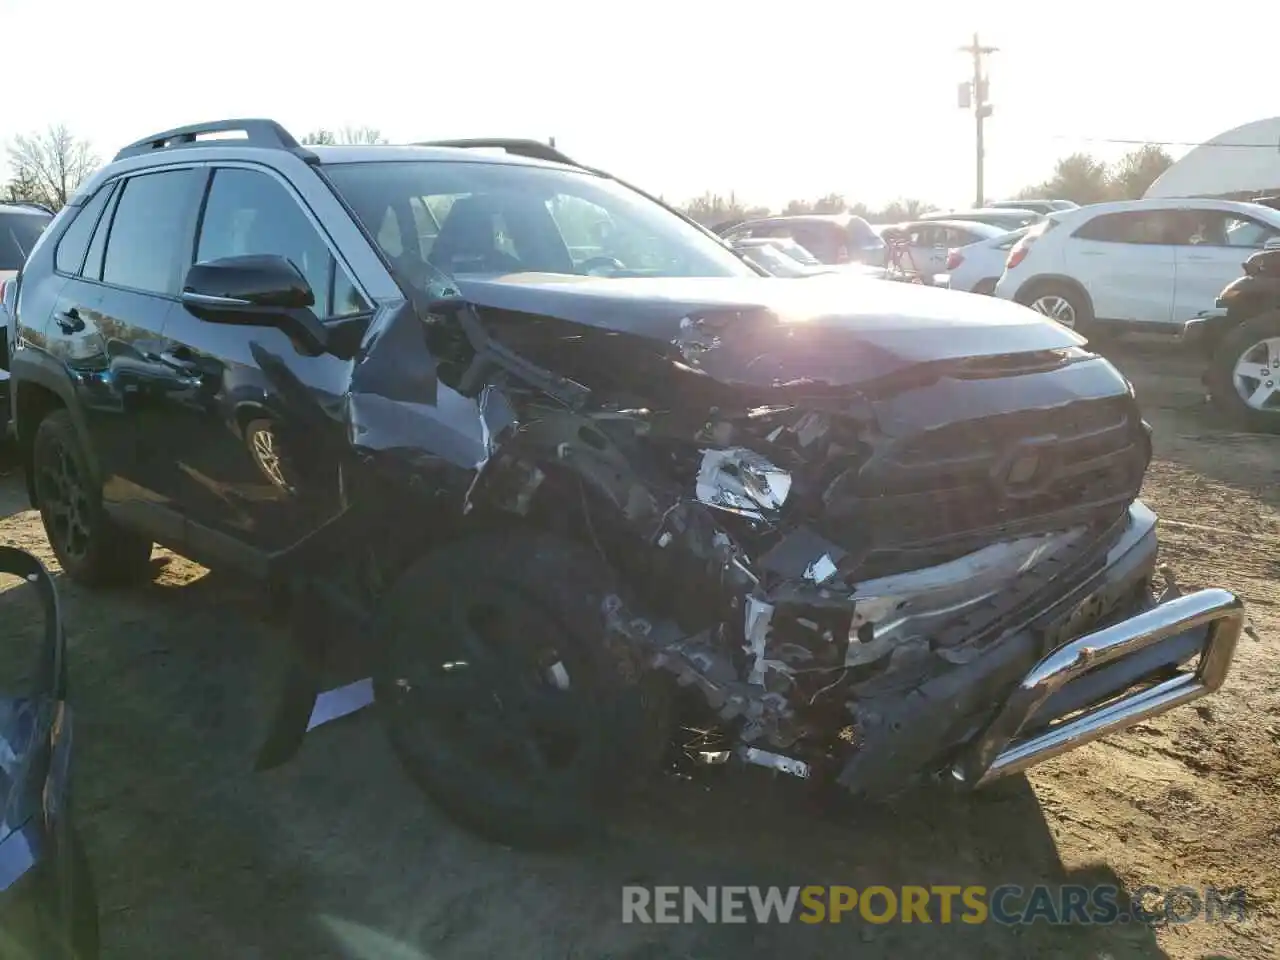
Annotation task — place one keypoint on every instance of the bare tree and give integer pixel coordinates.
(712, 208)
(362, 135)
(324, 136)
(49, 166)
(320, 137)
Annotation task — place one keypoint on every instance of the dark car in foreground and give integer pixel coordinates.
(553, 472)
(48, 910)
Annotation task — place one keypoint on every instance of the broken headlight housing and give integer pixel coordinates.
(743, 482)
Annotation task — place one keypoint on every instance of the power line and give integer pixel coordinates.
(1171, 143)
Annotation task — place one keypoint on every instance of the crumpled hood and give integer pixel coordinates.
(770, 330)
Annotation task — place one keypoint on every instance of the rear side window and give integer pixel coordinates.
(18, 234)
(1144, 227)
(148, 232)
(69, 257)
(98, 245)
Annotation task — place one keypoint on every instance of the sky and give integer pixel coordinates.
(770, 100)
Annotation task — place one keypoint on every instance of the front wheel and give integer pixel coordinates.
(1244, 374)
(504, 693)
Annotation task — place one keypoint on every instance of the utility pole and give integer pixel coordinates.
(977, 88)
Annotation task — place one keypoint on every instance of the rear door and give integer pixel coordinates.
(1215, 244)
(925, 241)
(47, 294)
(1127, 262)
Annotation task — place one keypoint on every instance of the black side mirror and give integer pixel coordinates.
(257, 290)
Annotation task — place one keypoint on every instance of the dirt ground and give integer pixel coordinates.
(335, 855)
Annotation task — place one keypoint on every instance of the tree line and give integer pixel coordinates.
(48, 166)
(1080, 177)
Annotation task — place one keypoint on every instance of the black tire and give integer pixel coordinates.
(586, 745)
(1040, 296)
(91, 549)
(986, 286)
(1241, 342)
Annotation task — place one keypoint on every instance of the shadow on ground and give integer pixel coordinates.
(335, 855)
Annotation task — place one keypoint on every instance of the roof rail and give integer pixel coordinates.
(258, 133)
(533, 149)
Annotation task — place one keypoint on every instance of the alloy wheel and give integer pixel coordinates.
(1056, 308)
(1256, 376)
(493, 683)
(64, 501)
(264, 451)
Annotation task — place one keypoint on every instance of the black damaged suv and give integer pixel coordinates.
(552, 466)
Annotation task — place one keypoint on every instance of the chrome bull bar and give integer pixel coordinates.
(998, 752)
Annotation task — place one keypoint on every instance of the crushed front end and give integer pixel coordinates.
(947, 572)
(875, 560)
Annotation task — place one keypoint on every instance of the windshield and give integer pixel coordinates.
(444, 219)
(862, 234)
(774, 260)
(18, 234)
(794, 250)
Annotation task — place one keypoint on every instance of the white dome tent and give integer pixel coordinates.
(1237, 164)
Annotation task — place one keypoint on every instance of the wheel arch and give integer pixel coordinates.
(37, 392)
(1242, 309)
(1028, 290)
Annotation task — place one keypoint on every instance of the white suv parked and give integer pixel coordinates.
(1134, 264)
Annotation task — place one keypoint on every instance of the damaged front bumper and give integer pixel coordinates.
(1064, 689)
(1091, 687)
(1097, 656)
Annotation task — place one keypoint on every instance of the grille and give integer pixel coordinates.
(1020, 473)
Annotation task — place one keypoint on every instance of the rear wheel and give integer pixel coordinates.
(504, 694)
(1244, 374)
(90, 547)
(1062, 304)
